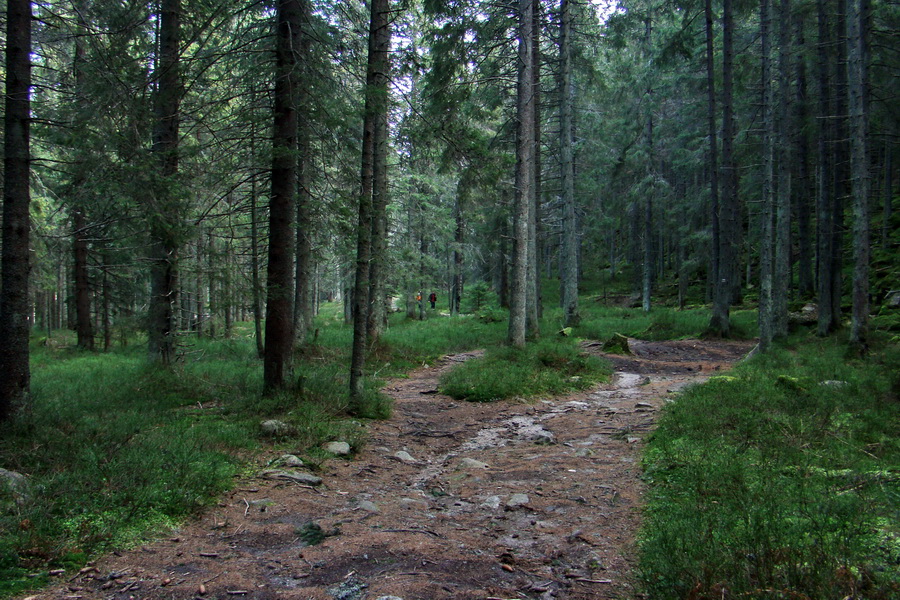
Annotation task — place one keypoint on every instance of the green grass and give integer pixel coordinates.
(548, 367)
(769, 483)
(600, 322)
(113, 449)
(116, 450)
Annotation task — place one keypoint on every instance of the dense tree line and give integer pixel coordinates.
(195, 164)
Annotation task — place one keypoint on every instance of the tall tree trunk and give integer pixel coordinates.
(254, 262)
(503, 263)
(227, 293)
(765, 313)
(533, 301)
(857, 70)
(802, 190)
(84, 326)
(380, 62)
(378, 24)
(282, 208)
(199, 322)
(841, 160)
(303, 310)
(211, 292)
(524, 181)
(888, 195)
(824, 174)
(719, 323)
(107, 293)
(647, 262)
(456, 286)
(633, 215)
(730, 210)
(569, 250)
(14, 308)
(163, 229)
(782, 272)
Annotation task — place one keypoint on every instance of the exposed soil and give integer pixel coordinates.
(437, 527)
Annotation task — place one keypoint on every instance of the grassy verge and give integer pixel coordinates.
(547, 367)
(116, 450)
(112, 449)
(599, 322)
(779, 480)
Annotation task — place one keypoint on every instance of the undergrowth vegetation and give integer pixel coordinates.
(115, 450)
(545, 368)
(779, 480)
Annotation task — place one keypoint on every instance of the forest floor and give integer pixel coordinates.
(496, 500)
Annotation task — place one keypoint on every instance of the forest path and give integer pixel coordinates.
(499, 500)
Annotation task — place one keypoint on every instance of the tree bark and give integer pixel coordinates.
(164, 229)
(782, 273)
(802, 189)
(647, 262)
(84, 326)
(456, 286)
(14, 308)
(765, 313)
(381, 65)
(533, 301)
(841, 159)
(888, 195)
(719, 323)
(524, 180)
(569, 249)
(361, 294)
(857, 70)
(303, 310)
(730, 241)
(254, 262)
(282, 207)
(824, 174)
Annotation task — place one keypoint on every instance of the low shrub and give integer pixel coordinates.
(778, 481)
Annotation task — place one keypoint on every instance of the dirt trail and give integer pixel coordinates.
(502, 500)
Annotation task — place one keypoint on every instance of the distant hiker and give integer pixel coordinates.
(419, 297)
(432, 298)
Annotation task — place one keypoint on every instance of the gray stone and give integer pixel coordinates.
(389, 598)
(517, 500)
(491, 502)
(368, 506)
(290, 460)
(471, 463)
(17, 486)
(413, 503)
(404, 457)
(338, 448)
(275, 428)
(302, 478)
(538, 435)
